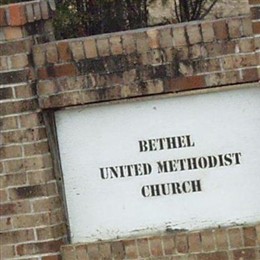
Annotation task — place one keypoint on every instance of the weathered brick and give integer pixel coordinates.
(36, 11)
(92, 250)
(207, 32)
(16, 15)
(220, 29)
(207, 240)
(128, 43)
(221, 239)
(31, 120)
(116, 45)
(31, 191)
(250, 236)
(51, 53)
(250, 75)
(117, 250)
(64, 51)
(179, 38)
(143, 247)
(29, 13)
(39, 55)
(9, 108)
(19, 61)
(181, 243)
(234, 28)
(5, 224)
(247, 27)
(130, 249)
(77, 50)
(165, 38)
(3, 21)
(168, 245)
(64, 70)
(25, 91)
(3, 196)
(47, 87)
(46, 204)
(90, 48)
(68, 252)
(53, 232)
(15, 208)
(103, 47)
(6, 93)
(14, 237)
(14, 77)
(105, 250)
(81, 252)
(25, 221)
(213, 256)
(52, 257)
(7, 251)
(40, 176)
(39, 248)
(13, 33)
(10, 152)
(194, 242)
(44, 10)
(235, 238)
(153, 38)
(193, 32)
(246, 45)
(256, 27)
(13, 180)
(156, 246)
(255, 12)
(141, 42)
(244, 254)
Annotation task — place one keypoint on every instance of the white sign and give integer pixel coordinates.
(183, 162)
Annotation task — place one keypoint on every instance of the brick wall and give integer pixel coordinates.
(31, 218)
(156, 60)
(37, 76)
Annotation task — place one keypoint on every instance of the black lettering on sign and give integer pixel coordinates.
(165, 189)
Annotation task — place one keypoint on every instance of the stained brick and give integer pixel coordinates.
(128, 43)
(39, 248)
(235, 238)
(168, 245)
(221, 239)
(103, 47)
(156, 246)
(130, 249)
(14, 77)
(6, 93)
(143, 247)
(141, 42)
(116, 45)
(51, 53)
(207, 32)
(64, 51)
(194, 35)
(244, 254)
(220, 29)
(3, 21)
(194, 242)
(179, 38)
(181, 243)
(250, 237)
(153, 38)
(16, 15)
(234, 28)
(77, 50)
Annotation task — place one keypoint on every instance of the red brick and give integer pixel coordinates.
(130, 249)
(221, 239)
(117, 249)
(168, 245)
(143, 247)
(65, 70)
(220, 29)
(156, 246)
(214, 256)
(250, 237)
(64, 51)
(234, 28)
(194, 241)
(181, 243)
(256, 27)
(244, 254)
(235, 238)
(187, 83)
(250, 75)
(39, 248)
(16, 15)
(255, 12)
